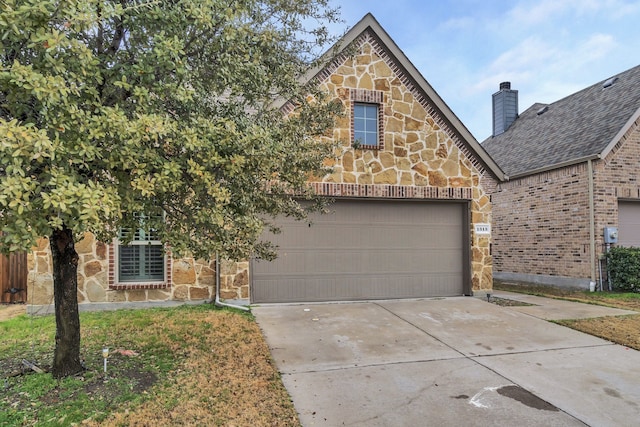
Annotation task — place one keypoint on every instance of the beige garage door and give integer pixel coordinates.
(369, 250)
(629, 224)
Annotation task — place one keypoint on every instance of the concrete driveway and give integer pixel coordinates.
(450, 362)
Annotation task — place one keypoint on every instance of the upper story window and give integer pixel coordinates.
(365, 124)
(367, 118)
(142, 260)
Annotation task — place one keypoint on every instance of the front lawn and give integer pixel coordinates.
(624, 330)
(192, 365)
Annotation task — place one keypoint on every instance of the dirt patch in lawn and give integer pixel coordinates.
(505, 302)
(9, 311)
(623, 330)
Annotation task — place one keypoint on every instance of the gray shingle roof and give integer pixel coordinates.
(574, 128)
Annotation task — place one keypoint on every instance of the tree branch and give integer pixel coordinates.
(100, 35)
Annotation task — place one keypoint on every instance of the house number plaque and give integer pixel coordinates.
(484, 229)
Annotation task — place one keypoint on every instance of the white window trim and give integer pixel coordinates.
(376, 134)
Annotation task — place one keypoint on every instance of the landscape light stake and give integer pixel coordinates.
(105, 355)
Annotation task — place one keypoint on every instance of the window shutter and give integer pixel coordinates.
(141, 262)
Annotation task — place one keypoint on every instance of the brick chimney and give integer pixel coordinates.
(505, 108)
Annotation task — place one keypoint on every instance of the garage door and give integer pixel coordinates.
(629, 224)
(368, 250)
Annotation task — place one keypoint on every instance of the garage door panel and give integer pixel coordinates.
(367, 250)
(629, 223)
(379, 287)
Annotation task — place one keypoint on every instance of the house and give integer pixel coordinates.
(574, 179)
(408, 197)
(411, 218)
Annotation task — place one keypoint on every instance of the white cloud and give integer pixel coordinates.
(620, 10)
(531, 13)
(535, 59)
(596, 47)
(458, 23)
(541, 69)
(527, 54)
(520, 63)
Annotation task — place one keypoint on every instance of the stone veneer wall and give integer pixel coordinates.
(421, 156)
(188, 278)
(541, 222)
(234, 280)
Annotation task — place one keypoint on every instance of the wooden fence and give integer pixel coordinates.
(13, 278)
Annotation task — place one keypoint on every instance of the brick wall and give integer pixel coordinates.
(541, 222)
(617, 177)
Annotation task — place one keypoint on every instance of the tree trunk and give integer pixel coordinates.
(66, 357)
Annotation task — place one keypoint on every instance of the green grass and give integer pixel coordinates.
(39, 398)
(183, 354)
(624, 300)
(24, 328)
(623, 296)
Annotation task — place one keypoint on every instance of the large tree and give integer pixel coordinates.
(167, 108)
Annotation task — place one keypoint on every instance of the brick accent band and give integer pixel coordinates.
(331, 189)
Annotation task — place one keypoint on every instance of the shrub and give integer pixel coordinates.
(623, 265)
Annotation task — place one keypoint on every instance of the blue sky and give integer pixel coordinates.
(547, 49)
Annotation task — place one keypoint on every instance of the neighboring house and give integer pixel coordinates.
(573, 170)
(411, 218)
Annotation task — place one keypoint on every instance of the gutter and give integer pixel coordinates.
(557, 166)
(217, 301)
(592, 227)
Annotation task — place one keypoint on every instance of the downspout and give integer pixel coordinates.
(592, 226)
(219, 303)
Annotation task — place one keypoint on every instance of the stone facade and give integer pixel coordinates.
(541, 222)
(420, 155)
(187, 279)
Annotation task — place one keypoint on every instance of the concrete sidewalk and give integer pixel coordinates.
(447, 362)
(555, 309)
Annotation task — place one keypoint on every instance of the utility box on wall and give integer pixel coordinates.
(611, 234)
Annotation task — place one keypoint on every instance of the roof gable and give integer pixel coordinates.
(368, 28)
(584, 125)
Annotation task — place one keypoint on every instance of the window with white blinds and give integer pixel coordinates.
(142, 260)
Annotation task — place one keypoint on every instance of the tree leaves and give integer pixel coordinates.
(111, 108)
